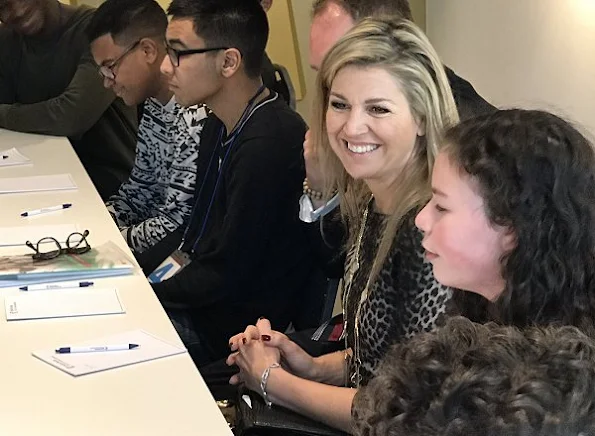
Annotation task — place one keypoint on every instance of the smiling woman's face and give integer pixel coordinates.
(370, 125)
(26, 17)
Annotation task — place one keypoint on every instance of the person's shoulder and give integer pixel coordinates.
(211, 129)
(7, 37)
(80, 13)
(78, 20)
(275, 119)
(273, 133)
(5, 31)
(469, 102)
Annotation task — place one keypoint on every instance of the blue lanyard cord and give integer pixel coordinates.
(195, 206)
(230, 143)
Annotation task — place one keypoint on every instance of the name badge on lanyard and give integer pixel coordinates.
(171, 266)
(179, 260)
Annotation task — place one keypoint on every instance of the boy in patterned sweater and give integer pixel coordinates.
(127, 43)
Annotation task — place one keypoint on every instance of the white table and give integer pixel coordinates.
(163, 397)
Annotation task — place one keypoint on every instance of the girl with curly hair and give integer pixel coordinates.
(512, 220)
(468, 379)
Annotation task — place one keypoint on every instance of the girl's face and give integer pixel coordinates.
(465, 248)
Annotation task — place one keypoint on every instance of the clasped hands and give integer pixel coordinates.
(258, 347)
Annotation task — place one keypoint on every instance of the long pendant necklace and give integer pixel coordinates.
(353, 268)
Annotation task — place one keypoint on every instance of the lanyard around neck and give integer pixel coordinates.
(230, 141)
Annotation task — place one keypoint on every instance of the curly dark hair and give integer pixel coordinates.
(468, 379)
(536, 174)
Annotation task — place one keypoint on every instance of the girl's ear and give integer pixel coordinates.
(509, 240)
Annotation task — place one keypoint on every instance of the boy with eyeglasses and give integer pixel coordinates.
(49, 86)
(244, 254)
(127, 42)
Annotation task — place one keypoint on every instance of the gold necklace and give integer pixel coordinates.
(355, 377)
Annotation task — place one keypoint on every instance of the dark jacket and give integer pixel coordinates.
(253, 258)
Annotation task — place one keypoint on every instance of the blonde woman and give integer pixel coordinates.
(383, 98)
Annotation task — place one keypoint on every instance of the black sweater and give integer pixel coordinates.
(253, 259)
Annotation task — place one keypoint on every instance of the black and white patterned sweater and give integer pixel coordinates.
(157, 197)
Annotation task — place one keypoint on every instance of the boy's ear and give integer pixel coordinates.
(232, 61)
(149, 49)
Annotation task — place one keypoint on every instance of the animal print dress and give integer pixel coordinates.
(404, 300)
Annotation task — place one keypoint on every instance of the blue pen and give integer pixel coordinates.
(65, 285)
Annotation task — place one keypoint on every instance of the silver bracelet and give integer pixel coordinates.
(263, 383)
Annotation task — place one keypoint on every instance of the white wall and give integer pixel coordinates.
(527, 53)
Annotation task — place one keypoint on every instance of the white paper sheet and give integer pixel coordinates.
(13, 157)
(62, 303)
(150, 348)
(14, 236)
(56, 182)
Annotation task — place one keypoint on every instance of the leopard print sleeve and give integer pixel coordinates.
(426, 299)
(404, 300)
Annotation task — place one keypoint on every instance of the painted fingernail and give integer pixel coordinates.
(262, 317)
(243, 340)
(230, 344)
(265, 338)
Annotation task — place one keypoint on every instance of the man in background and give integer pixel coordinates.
(331, 19)
(49, 85)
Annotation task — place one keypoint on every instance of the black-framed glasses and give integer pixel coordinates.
(49, 247)
(175, 54)
(107, 71)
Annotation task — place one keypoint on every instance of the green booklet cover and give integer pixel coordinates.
(103, 261)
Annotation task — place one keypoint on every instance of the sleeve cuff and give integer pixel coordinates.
(307, 212)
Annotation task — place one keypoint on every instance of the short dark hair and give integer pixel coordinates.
(240, 24)
(127, 20)
(536, 175)
(360, 9)
(469, 379)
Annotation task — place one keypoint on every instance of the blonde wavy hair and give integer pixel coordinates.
(400, 48)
